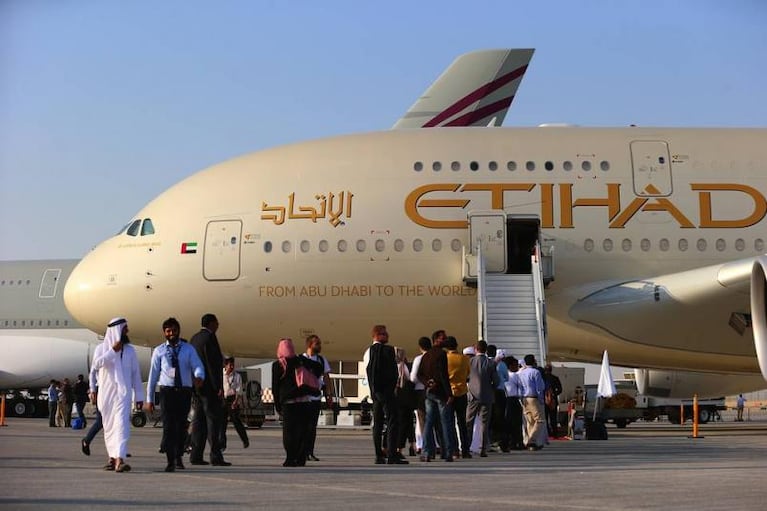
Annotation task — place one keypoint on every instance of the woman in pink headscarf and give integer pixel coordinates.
(292, 401)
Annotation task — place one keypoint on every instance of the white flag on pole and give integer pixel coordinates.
(606, 387)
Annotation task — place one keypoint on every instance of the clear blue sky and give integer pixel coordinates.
(103, 105)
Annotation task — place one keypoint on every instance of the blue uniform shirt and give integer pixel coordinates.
(532, 382)
(161, 369)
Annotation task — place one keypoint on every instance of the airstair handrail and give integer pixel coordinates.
(540, 302)
(481, 299)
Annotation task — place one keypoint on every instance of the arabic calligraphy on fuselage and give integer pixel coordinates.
(331, 207)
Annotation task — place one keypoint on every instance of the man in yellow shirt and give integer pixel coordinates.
(458, 373)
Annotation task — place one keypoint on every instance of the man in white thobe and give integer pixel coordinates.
(119, 378)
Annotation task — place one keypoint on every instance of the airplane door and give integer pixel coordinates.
(652, 168)
(50, 283)
(221, 259)
(488, 229)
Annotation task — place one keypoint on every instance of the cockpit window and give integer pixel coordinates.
(147, 228)
(134, 228)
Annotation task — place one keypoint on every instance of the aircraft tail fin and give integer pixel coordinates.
(475, 90)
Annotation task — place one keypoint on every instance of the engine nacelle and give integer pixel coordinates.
(685, 384)
(759, 311)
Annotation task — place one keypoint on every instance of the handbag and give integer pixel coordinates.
(307, 381)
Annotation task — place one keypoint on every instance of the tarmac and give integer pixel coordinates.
(645, 466)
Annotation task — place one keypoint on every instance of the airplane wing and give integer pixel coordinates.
(476, 90)
(718, 309)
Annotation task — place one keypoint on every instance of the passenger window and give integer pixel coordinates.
(147, 228)
(134, 228)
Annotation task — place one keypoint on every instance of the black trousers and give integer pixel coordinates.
(175, 409)
(311, 431)
(460, 404)
(206, 425)
(232, 414)
(53, 407)
(514, 420)
(295, 432)
(551, 421)
(385, 410)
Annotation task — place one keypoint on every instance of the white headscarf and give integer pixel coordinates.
(112, 336)
(500, 355)
(469, 350)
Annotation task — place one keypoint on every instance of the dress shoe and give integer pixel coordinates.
(398, 461)
(180, 464)
(85, 447)
(449, 459)
(199, 462)
(380, 461)
(220, 463)
(399, 455)
(245, 443)
(312, 457)
(483, 454)
(466, 455)
(170, 467)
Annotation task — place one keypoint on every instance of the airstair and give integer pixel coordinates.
(511, 303)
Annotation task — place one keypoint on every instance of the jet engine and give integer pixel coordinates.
(759, 311)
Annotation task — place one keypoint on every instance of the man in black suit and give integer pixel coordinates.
(208, 411)
(382, 378)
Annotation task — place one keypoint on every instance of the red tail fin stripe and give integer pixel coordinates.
(481, 113)
(475, 96)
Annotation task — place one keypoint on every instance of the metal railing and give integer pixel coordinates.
(481, 298)
(540, 303)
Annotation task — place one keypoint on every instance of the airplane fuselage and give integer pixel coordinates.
(335, 235)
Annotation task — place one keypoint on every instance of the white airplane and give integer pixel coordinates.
(39, 339)
(656, 235)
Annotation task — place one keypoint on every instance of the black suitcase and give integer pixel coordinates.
(596, 430)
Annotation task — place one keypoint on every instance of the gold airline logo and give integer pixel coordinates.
(331, 207)
(442, 197)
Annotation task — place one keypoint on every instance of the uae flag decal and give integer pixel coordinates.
(189, 248)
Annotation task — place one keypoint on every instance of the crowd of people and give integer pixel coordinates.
(465, 402)
(62, 395)
(446, 402)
